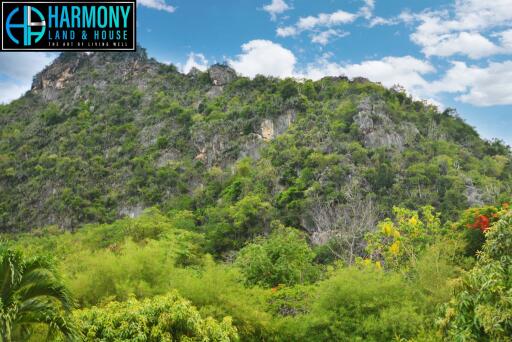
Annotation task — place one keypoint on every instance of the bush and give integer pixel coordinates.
(162, 318)
(282, 258)
(360, 305)
(482, 308)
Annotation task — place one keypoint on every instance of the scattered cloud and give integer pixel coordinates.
(325, 20)
(264, 57)
(321, 26)
(465, 29)
(287, 31)
(276, 7)
(324, 37)
(17, 70)
(479, 86)
(23, 65)
(160, 5)
(195, 60)
(367, 10)
(11, 91)
(472, 44)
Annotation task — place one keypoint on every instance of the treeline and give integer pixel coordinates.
(152, 278)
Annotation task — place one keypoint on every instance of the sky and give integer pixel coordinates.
(453, 53)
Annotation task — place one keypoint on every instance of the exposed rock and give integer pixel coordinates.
(267, 130)
(194, 72)
(360, 80)
(149, 134)
(335, 78)
(61, 73)
(379, 130)
(221, 74)
(251, 146)
(271, 129)
(215, 91)
(473, 194)
(166, 157)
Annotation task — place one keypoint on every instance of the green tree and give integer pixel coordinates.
(283, 258)
(162, 318)
(482, 309)
(31, 295)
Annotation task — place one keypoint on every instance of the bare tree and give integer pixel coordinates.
(342, 226)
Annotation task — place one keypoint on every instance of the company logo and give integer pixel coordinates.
(28, 29)
(86, 25)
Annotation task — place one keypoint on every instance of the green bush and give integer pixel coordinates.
(359, 305)
(282, 258)
(162, 318)
(482, 307)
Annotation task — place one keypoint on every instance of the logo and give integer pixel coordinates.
(68, 25)
(28, 29)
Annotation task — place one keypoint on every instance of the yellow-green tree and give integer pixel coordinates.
(162, 318)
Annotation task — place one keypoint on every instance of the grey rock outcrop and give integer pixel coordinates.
(221, 74)
(377, 128)
(63, 71)
(271, 129)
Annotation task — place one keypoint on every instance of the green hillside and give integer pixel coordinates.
(260, 209)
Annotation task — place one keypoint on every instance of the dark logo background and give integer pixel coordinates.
(26, 27)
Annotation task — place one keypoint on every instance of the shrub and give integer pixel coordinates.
(282, 258)
(162, 318)
(360, 305)
(482, 308)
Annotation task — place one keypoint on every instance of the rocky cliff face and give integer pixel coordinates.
(77, 70)
(378, 130)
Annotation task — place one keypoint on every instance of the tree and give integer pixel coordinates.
(32, 294)
(399, 243)
(482, 308)
(282, 258)
(342, 227)
(162, 318)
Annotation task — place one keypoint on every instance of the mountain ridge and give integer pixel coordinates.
(103, 135)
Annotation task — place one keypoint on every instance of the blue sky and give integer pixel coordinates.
(455, 53)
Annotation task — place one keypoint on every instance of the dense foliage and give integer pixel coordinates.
(162, 318)
(482, 308)
(214, 207)
(32, 295)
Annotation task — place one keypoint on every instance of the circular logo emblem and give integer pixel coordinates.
(26, 25)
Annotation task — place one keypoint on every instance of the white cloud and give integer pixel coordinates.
(264, 57)
(287, 31)
(479, 86)
(326, 19)
(323, 25)
(23, 65)
(367, 10)
(506, 39)
(324, 37)
(17, 70)
(195, 60)
(160, 5)
(464, 29)
(316, 23)
(276, 7)
(474, 45)
(11, 91)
